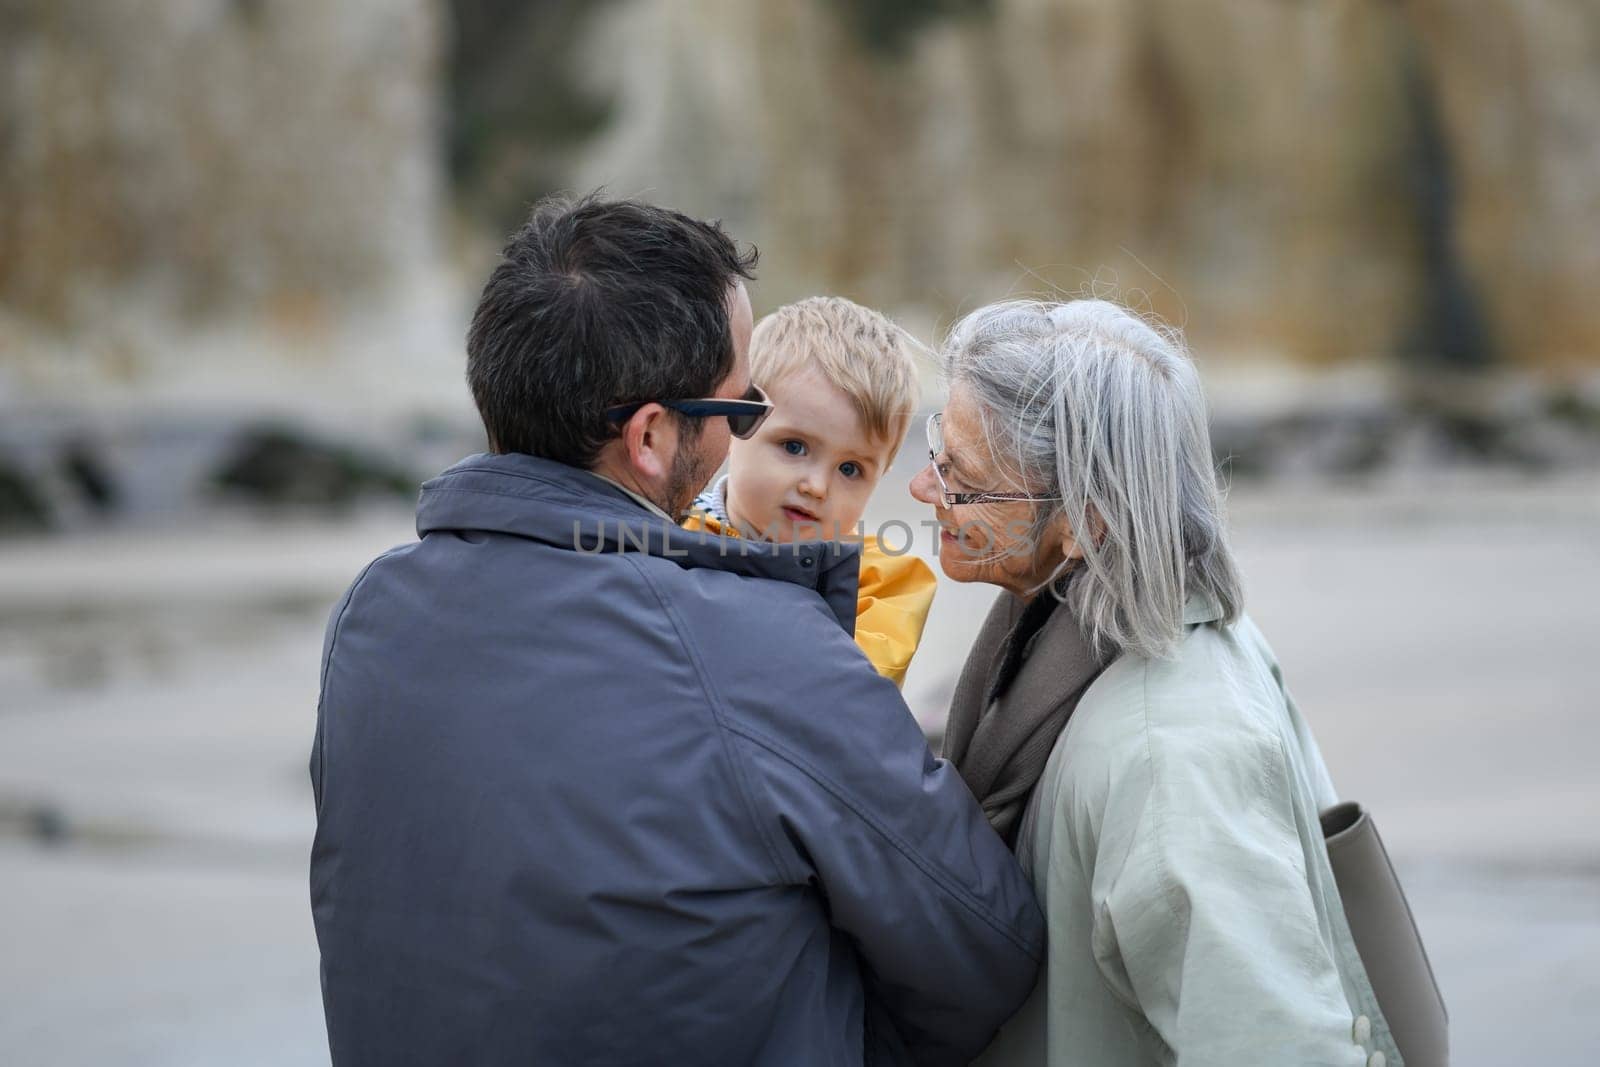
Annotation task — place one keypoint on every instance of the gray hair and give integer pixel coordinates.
(1085, 399)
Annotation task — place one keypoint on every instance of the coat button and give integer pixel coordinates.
(1362, 1033)
(1377, 1059)
(806, 561)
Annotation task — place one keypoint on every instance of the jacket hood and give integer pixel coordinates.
(569, 508)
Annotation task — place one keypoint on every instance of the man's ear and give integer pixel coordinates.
(648, 437)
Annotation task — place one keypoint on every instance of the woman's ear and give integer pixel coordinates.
(1071, 546)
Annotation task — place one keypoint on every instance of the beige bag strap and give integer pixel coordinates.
(1386, 937)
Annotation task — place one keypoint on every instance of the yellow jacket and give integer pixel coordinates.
(891, 604)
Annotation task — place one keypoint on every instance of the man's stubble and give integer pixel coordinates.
(691, 471)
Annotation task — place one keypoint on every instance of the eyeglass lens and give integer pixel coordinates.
(935, 447)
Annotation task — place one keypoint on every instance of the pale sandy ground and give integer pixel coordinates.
(157, 693)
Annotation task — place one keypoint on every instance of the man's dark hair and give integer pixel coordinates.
(596, 303)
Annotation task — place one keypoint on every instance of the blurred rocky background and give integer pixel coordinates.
(240, 241)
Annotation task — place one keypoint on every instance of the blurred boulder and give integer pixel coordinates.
(1444, 425)
(281, 466)
(22, 504)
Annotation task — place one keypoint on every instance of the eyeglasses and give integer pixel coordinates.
(936, 446)
(744, 415)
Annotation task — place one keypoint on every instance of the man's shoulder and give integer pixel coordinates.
(744, 614)
(374, 570)
(766, 643)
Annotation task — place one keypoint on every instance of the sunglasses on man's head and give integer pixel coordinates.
(744, 415)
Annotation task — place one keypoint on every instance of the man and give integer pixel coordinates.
(594, 789)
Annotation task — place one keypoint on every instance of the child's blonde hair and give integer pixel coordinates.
(858, 350)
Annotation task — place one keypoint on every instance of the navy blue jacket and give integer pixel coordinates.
(594, 789)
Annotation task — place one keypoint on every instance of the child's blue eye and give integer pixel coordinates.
(850, 469)
(794, 448)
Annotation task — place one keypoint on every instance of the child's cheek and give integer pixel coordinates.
(765, 479)
(855, 504)
(739, 453)
(749, 468)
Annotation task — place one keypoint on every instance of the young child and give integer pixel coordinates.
(843, 384)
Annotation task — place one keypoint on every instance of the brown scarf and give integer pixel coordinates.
(1022, 680)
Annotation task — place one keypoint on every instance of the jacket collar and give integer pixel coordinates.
(550, 502)
(635, 497)
(714, 501)
(1036, 682)
(1201, 607)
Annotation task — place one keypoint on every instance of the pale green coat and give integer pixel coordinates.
(1174, 846)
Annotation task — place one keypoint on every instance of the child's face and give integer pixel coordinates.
(807, 473)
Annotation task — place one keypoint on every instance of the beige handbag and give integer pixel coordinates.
(1386, 937)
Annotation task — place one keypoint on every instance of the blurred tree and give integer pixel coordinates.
(1515, 89)
(517, 109)
(1448, 329)
(889, 26)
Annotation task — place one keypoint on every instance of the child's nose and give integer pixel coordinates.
(814, 483)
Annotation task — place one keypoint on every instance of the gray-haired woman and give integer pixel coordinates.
(1121, 720)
